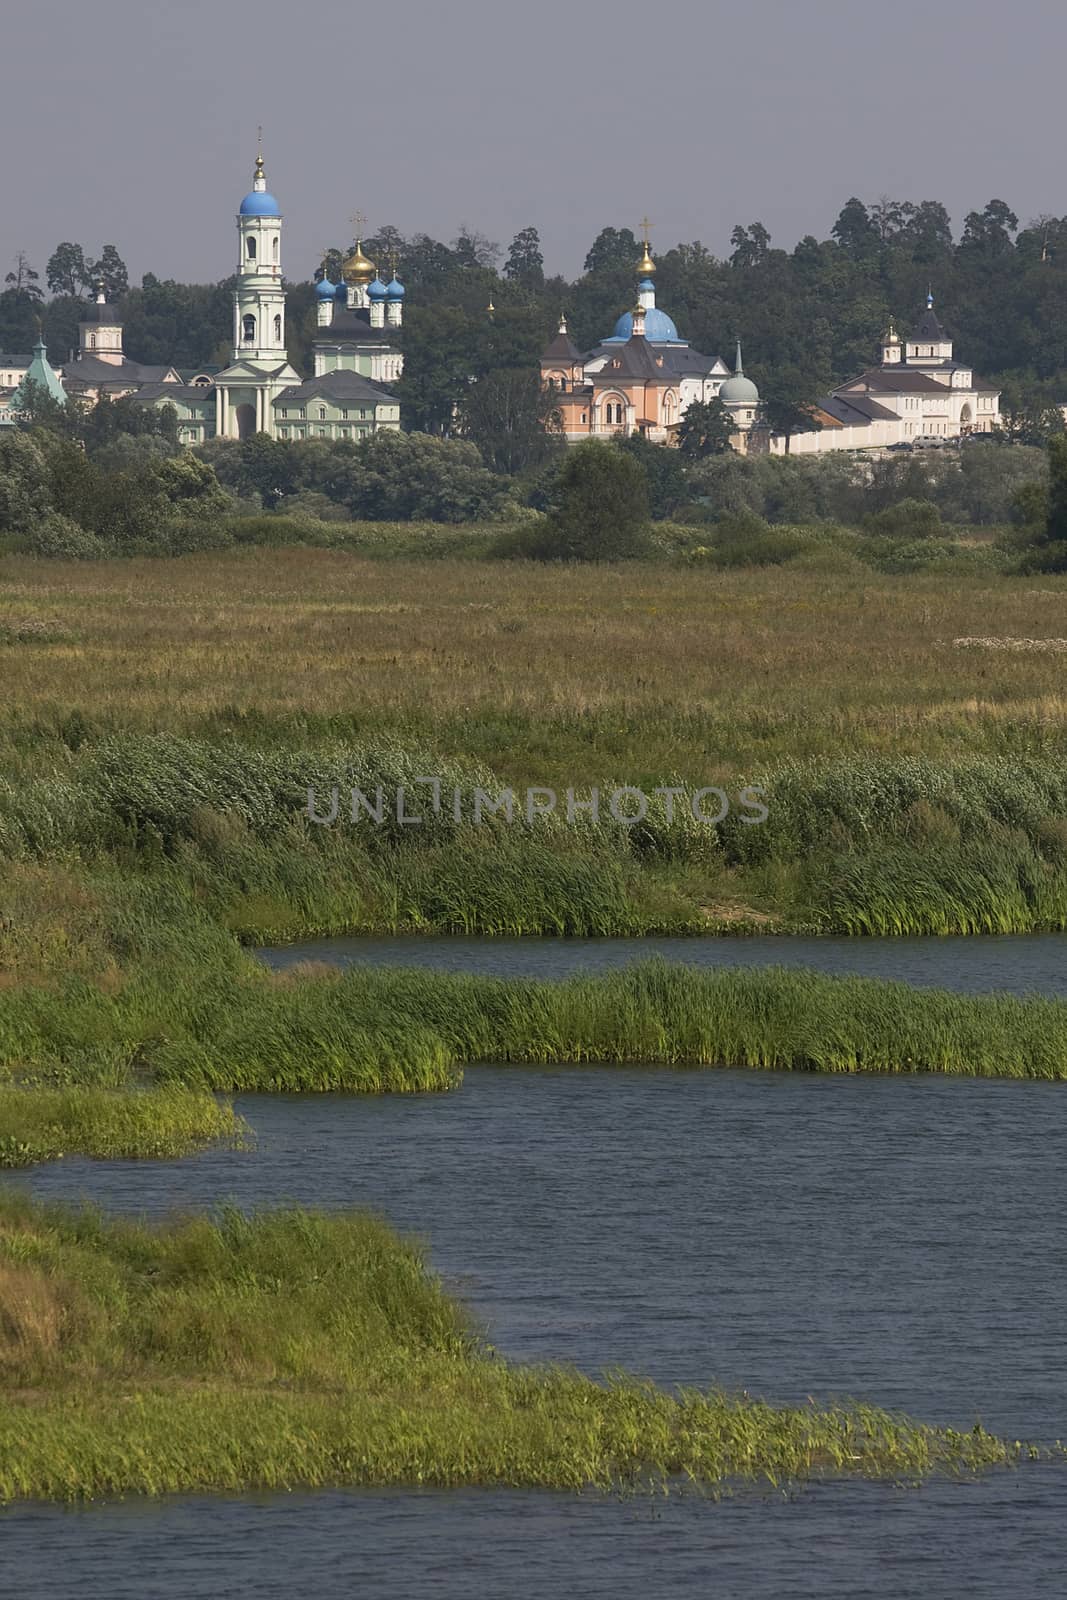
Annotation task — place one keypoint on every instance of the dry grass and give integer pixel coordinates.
(31, 1316)
(643, 668)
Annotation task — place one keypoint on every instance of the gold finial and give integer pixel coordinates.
(490, 308)
(358, 268)
(646, 266)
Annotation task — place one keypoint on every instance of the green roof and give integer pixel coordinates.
(42, 375)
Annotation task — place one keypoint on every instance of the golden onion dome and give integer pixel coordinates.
(357, 268)
(646, 266)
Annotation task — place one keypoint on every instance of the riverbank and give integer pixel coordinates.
(293, 1350)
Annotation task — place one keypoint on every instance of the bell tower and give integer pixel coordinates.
(259, 301)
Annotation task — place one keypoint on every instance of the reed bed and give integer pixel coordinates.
(291, 1349)
(372, 1030)
(880, 845)
(122, 980)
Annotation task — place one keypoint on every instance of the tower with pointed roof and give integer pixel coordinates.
(740, 396)
(928, 345)
(40, 379)
(100, 334)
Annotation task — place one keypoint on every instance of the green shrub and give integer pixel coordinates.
(62, 539)
(908, 519)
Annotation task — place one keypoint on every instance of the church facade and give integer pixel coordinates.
(357, 353)
(643, 377)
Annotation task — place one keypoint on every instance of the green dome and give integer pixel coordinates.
(739, 390)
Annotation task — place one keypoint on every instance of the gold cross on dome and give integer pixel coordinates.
(645, 227)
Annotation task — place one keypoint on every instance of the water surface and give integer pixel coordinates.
(1019, 963)
(899, 1240)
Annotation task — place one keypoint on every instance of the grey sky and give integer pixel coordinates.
(134, 122)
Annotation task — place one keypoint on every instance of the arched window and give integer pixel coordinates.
(250, 330)
(277, 330)
(251, 248)
(275, 247)
(92, 341)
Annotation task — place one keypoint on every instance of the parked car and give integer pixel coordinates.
(901, 444)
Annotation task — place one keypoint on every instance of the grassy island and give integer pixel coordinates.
(292, 1349)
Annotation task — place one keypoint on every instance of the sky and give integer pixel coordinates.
(134, 123)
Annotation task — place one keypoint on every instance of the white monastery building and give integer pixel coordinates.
(918, 392)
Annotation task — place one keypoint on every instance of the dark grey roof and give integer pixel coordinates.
(893, 380)
(562, 349)
(637, 359)
(680, 359)
(685, 359)
(856, 410)
(350, 327)
(91, 370)
(108, 315)
(928, 328)
(150, 392)
(14, 361)
(339, 386)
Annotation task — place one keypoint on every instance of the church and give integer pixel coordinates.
(356, 352)
(917, 393)
(643, 377)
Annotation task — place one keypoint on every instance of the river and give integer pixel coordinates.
(898, 1240)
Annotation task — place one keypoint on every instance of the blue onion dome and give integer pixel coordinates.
(258, 203)
(646, 283)
(325, 290)
(659, 329)
(341, 293)
(376, 290)
(395, 289)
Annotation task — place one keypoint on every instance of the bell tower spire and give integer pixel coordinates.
(259, 301)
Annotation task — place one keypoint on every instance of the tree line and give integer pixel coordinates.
(809, 317)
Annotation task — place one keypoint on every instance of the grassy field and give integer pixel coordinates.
(909, 730)
(291, 1349)
(548, 675)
